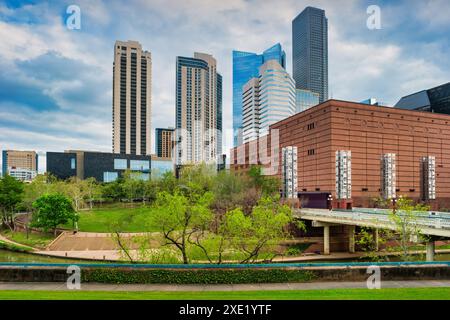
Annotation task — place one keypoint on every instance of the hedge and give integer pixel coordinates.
(200, 276)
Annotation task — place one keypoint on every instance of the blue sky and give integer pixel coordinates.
(56, 83)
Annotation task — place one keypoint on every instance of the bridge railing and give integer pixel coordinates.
(437, 220)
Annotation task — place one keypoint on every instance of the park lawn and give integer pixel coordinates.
(334, 294)
(35, 240)
(101, 219)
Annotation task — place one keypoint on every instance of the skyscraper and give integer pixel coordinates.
(267, 99)
(306, 99)
(246, 66)
(310, 51)
(164, 142)
(198, 110)
(131, 99)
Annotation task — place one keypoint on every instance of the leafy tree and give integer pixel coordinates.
(179, 216)
(75, 190)
(259, 233)
(11, 195)
(267, 185)
(113, 191)
(132, 186)
(366, 241)
(405, 220)
(91, 190)
(52, 210)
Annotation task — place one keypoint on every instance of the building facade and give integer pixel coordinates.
(104, 167)
(164, 142)
(310, 51)
(436, 100)
(246, 66)
(22, 165)
(198, 116)
(132, 81)
(305, 99)
(267, 99)
(356, 153)
(250, 110)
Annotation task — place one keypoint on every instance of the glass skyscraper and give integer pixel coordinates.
(267, 99)
(310, 51)
(246, 66)
(305, 99)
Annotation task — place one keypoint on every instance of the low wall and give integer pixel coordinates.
(228, 275)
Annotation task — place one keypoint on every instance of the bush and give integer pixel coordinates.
(200, 276)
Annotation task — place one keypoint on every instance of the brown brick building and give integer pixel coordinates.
(369, 132)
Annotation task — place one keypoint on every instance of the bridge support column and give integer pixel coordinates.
(375, 239)
(351, 239)
(326, 239)
(430, 250)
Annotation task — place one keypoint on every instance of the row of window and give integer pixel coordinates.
(122, 164)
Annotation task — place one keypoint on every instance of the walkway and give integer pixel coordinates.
(224, 287)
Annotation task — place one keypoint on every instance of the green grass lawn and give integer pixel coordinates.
(34, 240)
(335, 294)
(100, 219)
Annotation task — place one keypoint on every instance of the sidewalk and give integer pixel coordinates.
(222, 287)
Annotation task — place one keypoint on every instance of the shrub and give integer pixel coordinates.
(199, 276)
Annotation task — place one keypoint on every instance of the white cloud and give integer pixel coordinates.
(362, 63)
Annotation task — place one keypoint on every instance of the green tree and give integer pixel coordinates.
(258, 234)
(75, 190)
(11, 195)
(267, 185)
(52, 210)
(91, 190)
(113, 191)
(405, 220)
(179, 216)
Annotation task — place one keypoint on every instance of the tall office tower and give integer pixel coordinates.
(310, 51)
(250, 110)
(289, 172)
(428, 179)
(22, 165)
(306, 99)
(164, 142)
(246, 66)
(132, 82)
(343, 174)
(198, 110)
(388, 176)
(266, 100)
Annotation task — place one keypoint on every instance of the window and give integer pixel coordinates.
(140, 165)
(110, 176)
(73, 164)
(120, 164)
(311, 152)
(310, 126)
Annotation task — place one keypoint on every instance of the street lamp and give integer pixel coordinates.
(394, 204)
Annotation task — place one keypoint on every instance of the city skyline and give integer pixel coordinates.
(63, 78)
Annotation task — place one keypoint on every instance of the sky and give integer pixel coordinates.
(56, 83)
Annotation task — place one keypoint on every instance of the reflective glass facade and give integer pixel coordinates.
(310, 51)
(246, 66)
(305, 99)
(435, 100)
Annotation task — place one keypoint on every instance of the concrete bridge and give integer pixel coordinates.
(433, 224)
